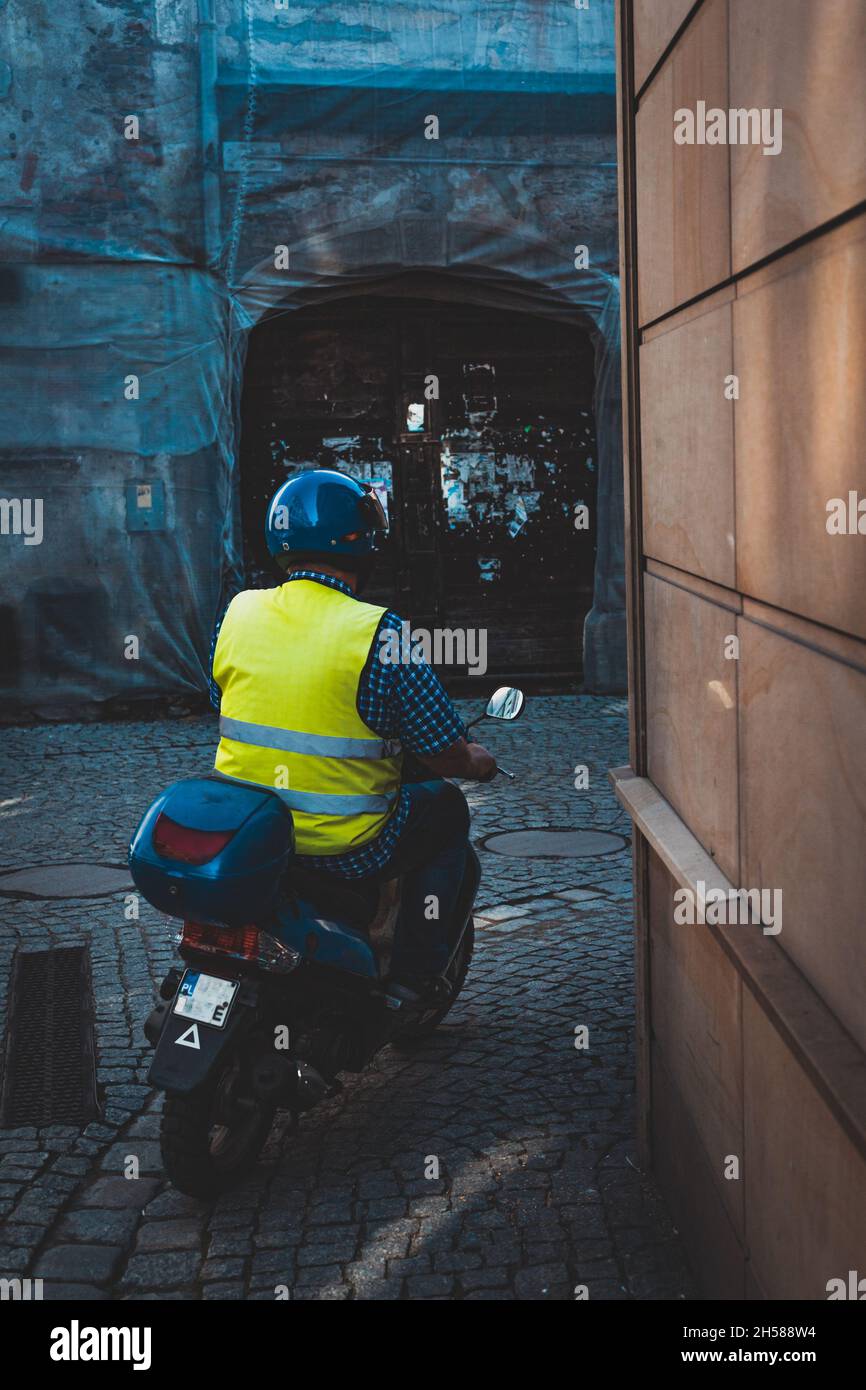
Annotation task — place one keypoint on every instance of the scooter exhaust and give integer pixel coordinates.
(288, 1082)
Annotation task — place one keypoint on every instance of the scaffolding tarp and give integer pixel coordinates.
(182, 169)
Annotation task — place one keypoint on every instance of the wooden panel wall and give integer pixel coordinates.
(655, 26)
(807, 60)
(691, 713)
(803, 803)
(683, 191)
(697, 1000)
(805, 1208)
(800, 428)
(744, 352)
(688, 511)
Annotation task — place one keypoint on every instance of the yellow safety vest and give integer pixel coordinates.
(288, 662)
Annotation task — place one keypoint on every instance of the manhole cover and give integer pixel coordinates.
(65, 881)
(554, 844)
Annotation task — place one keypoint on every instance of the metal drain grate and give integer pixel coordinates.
(50, 1073)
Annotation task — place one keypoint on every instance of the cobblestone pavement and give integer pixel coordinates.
(538, 1190)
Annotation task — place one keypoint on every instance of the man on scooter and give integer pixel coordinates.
(310, 706)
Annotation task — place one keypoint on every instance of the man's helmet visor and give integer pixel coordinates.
(372, 511)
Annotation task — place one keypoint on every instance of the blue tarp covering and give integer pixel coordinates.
(134, 268)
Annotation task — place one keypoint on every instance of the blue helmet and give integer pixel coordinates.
(323, 512)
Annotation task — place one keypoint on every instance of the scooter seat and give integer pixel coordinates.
(338, 897)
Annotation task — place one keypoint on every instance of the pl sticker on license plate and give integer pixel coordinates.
(205, 998)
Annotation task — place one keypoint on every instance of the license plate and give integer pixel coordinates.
(205, 998)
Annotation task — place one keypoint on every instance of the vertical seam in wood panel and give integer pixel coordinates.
(632, 382)
(729, 19)
(733, 427)
(744, 1173)
(643, 1017)
(729, 47)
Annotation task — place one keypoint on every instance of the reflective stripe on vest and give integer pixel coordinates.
(329, 804)
(321, 745)
(288, 662)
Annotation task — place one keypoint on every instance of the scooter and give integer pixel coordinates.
(283, 983)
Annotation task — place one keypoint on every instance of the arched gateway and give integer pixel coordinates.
(423, 258)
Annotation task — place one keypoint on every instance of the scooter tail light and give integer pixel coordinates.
(172, 840)
(240, 943)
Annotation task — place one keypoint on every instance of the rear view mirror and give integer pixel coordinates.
(505, 703)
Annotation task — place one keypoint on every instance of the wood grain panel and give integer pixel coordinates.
(683, 215)
(800, 433)
(805, 1183)
(655, 23)
(691, 715)
(806, 59)
(828, 1054)
(803, 808)
(682, 1171)
(687, 447)
(695, 993)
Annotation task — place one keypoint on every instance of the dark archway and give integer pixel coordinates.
(476, 424)
(488, 266)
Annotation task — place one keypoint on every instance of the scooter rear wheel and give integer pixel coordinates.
(211, 1138)
(413, 1033)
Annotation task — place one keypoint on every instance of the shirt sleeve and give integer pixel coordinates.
(214, 691)
(405, 699)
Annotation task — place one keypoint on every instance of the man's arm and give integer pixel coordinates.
(469, 761)
(406, 701)
(214, 692)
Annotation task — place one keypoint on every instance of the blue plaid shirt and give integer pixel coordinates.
(397, 700)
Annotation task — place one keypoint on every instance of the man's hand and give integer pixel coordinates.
(468, 761)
